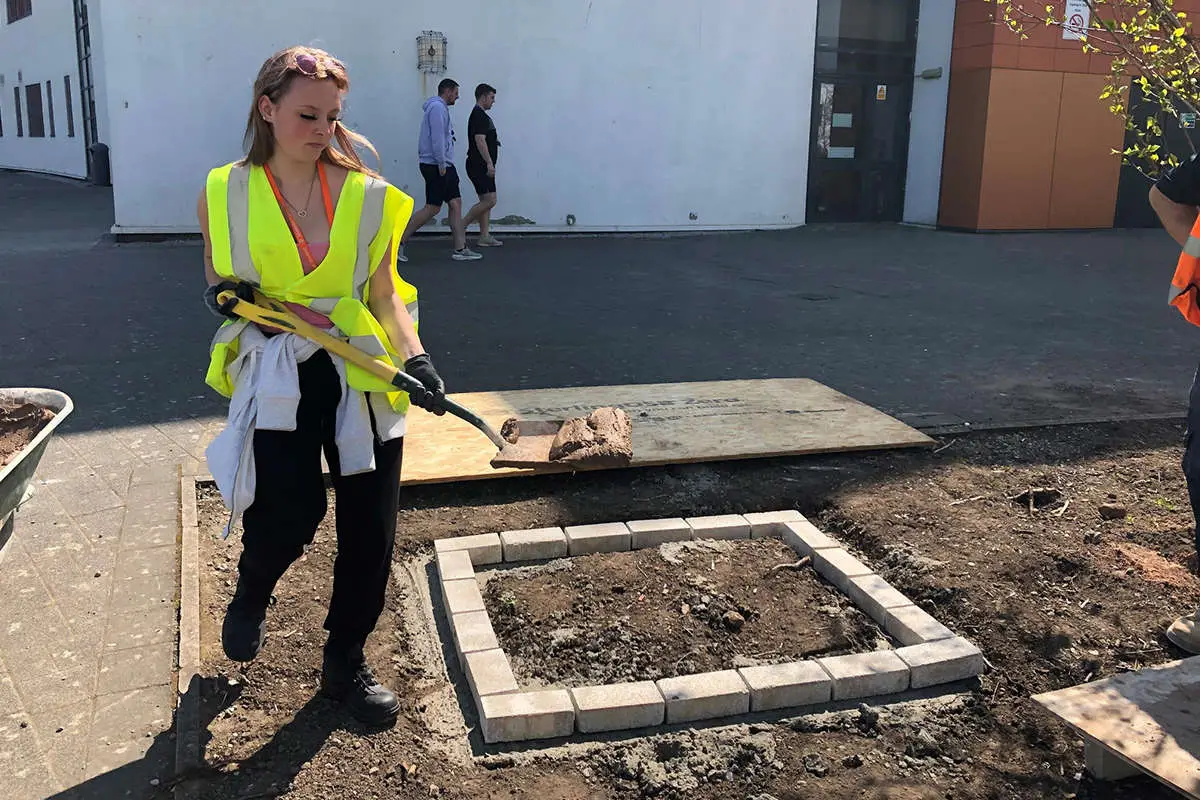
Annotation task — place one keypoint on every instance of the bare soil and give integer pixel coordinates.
(685, 608)
(19, 425)
(1059, 586)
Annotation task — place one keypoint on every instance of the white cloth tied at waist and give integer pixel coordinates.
(266, 396)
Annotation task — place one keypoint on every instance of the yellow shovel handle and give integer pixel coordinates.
(268, 311)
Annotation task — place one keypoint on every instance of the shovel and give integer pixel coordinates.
(531, 440)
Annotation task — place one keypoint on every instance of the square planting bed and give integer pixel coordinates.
(929, 653)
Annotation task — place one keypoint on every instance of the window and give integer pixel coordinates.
(33, 106)
(50, 105)
(19, 9)
(17, 104)
(70, 107)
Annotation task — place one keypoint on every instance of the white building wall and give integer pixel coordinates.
(927, 132)
(625, 114)
(36, 49)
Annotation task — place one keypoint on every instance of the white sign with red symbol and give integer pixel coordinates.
(1078, 17)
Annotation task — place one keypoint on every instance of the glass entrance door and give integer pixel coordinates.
(862, 96)
(859, 150)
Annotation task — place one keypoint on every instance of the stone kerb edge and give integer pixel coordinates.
(548, 712)
(188, 753)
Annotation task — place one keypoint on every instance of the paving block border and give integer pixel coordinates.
(188, 755)
(929, 654)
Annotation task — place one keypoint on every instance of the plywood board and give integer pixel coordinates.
(672, 423)
(1148, 719)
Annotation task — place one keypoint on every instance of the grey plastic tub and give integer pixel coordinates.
(17, 475)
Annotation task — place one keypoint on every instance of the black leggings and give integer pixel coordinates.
(289, 504)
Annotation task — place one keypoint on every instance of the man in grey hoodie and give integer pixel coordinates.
(435, 152)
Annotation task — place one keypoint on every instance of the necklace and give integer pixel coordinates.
(302, 212)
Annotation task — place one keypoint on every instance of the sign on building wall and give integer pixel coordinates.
(1078, 17)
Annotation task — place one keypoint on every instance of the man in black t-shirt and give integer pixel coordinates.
(483, 148)
(1175, 198)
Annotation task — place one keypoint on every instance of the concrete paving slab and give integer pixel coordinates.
(534, 545)
(942, 661)
(145, 561)
(473, 632)
(838, 567)
(26, 770)
(137, 667)
(455, 565)
(488, 672)
(804, 537)
(144, 591)
(525, 716)
(618, 706)
(653, 532)
(722, 526)
(64, 733)
(911, 625)
(866, 674)
(101, 525)
(606, 537)
(707, 695)
(799, 683)
(8, 693)
(767, 524)
(875, 596)
(484, 548)
(129, 757)
(45, 686)
(462, 596)
(154, 625)
(128, 715)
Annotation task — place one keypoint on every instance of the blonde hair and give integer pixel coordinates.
(274, 79)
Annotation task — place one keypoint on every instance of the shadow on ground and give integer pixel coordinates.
(148, 778)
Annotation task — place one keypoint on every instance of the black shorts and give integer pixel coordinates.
(483, 183)
(440, 188)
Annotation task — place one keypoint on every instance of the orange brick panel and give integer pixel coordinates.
(1019, 148)
(1084, 193)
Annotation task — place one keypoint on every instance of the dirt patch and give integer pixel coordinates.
(1153, 567)
(19, 425)
(685, 608)
(1046, 593)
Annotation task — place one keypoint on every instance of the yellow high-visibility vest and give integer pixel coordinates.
(251, 241)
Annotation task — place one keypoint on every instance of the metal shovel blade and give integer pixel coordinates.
(532, 447)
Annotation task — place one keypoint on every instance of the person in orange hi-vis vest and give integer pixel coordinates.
(1175, 198)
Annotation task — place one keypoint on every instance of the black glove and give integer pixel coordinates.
(243, 290)
(421, 368)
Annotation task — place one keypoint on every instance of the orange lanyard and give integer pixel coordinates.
(297, 234)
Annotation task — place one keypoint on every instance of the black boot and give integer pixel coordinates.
(345, 676)
(245, 626)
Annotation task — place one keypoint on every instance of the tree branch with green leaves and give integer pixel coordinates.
(1150, 46)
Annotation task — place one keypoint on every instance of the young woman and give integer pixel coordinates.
(307, 222)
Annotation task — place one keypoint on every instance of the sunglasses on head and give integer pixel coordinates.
(307, 64)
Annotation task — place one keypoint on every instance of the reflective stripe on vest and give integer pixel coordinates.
(1186, 280)
(251, 241)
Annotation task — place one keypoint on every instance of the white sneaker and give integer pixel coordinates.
(466, 254)
(488, 241)
(401, 256)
